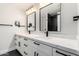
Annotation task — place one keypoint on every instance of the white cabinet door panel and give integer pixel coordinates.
(57, 52)
(45, 48)
(42, 53)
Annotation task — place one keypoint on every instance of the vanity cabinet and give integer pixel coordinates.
(30, 47)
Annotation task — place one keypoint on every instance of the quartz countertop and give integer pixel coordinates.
(66, 44)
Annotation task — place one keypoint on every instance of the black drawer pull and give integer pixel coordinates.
(35, 53)
(19, 44)
(62, 53)
(25, 45)
(25, 53)
(25, 39)
(36, 43)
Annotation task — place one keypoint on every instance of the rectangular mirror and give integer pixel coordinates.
(31, 21)
(50, 16)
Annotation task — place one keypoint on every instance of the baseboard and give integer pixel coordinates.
(7, 50)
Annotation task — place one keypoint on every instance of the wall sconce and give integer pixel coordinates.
(17, 23)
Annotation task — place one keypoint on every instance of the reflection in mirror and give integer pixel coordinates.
(53, 22)
(50, 17)
(31, 21)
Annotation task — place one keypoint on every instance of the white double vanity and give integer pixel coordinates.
(34, 45)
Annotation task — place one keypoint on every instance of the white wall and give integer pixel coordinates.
(68, 26)
(8, 15)
(78, 22)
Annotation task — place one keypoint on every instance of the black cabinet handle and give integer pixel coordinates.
(36, 43)
(62, 53)
(35, 53)
(19, 44)
(25, 45)
(25, 53)
(25, 39)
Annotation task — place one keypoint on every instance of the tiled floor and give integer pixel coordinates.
(12, 53)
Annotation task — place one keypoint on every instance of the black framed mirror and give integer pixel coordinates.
(50, 18)
(31, 21)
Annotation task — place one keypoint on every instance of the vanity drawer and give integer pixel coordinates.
(30, 42)
(26, 41)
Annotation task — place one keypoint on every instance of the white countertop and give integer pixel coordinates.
(68, 43)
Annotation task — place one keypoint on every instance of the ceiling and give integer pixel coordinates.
(23, 6)
(20, 6)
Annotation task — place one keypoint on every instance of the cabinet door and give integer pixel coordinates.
(42, 53)
(57, 52)
(43, 49)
